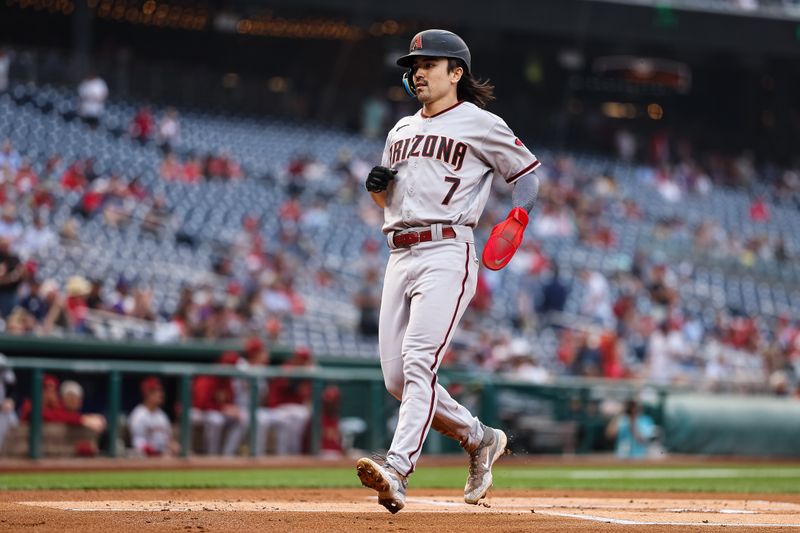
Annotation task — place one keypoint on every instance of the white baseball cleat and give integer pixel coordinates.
(492, 446)
(391, 486)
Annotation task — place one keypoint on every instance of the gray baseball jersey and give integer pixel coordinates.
(445, 164)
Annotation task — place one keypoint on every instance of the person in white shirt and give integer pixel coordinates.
(168, 130)
(664, 350)
(597, 298)
(93, 93)
(36, 239)
(10, 228)
(149, 426)
(256, 356)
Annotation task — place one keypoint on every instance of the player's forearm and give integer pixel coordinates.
(379, 198)
(526, 191)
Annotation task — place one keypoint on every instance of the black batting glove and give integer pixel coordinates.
(379, 178)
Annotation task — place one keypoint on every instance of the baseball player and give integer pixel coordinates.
(433, 183)
(150, 428)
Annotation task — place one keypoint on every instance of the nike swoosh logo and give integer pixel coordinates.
(401, 127)
(500, 261)
(486, 466)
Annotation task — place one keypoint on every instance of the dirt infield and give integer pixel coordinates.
(356, 510)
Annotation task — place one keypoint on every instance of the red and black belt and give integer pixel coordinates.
(410, 238)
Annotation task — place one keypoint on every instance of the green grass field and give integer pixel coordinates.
(738, 478)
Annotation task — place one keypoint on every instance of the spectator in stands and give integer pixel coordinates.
(92, 93)
(150, 429)
(142, 125)
(8, 417)
(291, 211)
(119, 202)
(26, 179)
(212, 167)
(522, 364)
(633, 432)
(588, 360)
(10, 228)
(42, 198)
(315, 216)
(158, 219)
(10, 161)
(53, 168)
(215, 409)
(597, 298)
(122, 299)
(296, 175)
(74, 177)
(554, 221)
(368, 300)
(168, 130)
(171, 169)
(660, 367)
(759, 210)
(20, 322)
(143, 304)
(32, 301)
(36, 239)
(95, 299)
(554, 296)
(279, 299)
(92, 200)
(136, 190)
(192, 171)
(11, 272)
(661, 285)
(55, 317)
(291, 400)
(221, 167)
(256, 356)
(75, 306)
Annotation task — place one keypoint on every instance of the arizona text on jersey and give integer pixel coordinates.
(445, 165)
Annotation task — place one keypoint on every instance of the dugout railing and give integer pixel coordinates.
(577, 393)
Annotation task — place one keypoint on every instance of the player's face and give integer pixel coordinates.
(155, 397)
(432, 80)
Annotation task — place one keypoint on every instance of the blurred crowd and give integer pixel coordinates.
(630, 321)
(615, 336)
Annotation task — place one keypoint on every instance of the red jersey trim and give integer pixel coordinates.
(442, 111)
(533, 166)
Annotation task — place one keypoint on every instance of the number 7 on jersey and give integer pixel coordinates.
(455, 183)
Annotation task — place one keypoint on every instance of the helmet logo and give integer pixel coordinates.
(416, 44)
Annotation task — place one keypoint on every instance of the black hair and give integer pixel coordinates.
(479, 92)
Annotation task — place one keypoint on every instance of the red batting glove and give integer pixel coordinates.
(505, 239)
